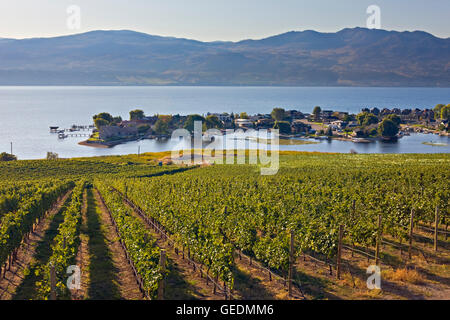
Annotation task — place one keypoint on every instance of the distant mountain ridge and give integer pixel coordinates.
(350, 57)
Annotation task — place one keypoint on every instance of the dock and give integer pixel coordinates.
(73, 131)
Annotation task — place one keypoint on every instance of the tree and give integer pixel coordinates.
(388, 128)
(278, 114)
(445, 112)
(136, 114)
(329, 131)
(366, 119)
(7, 157)
(283, 126)
(100, 122)
(347, 118)
(395, 118)
(117, 120)
(105, 116)
(243, 115)
(316, 112)
(161, 127)
(189, 123)
(437, 110)
(212, 121)
(143, 128)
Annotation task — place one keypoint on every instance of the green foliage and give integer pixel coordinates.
(64, 248)
(139, 243)
(143, 128)
(437, 110)
(243, 115)
(189, 124)
(388, 128)
(278, 114)
(366, 118)
(7, 157)
(316, 112)
(16, 224)
(283, 126)
(212, 121)
(161, 127)
(136, 114)
(100, 122)
(394, 118)
(445, 112)
(105, 116)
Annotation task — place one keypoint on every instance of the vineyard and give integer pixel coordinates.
(225, 231)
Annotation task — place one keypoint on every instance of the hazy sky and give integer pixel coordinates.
(210, 20)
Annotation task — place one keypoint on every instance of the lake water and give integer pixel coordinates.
(27, 112)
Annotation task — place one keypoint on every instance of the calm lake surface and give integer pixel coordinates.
(27, 112)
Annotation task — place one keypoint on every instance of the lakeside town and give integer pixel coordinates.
(368, 125)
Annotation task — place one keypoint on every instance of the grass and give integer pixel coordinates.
(102, 272)
(404, 275)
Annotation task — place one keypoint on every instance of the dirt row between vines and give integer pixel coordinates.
(122, 276)
(26, 253)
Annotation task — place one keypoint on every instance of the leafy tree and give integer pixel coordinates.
(283, 126)
(117, 120)
(100, 122)
(105, 116)
(143, 128)
(445, 112)
(189, 123)
(347, 118)
(243, 115)
(329, 131)
(316, 112)
(212, 121)
(136, 114)
(7, 157)
(388, 128)
(437, 110)
(366, 118)
(395, 118)
(161, 127)
(278, 114)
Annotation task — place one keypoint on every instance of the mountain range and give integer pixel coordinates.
(350, 57)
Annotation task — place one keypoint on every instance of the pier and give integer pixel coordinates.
(73, 131)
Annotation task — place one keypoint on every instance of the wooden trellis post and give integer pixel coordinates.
(162, 264)
(339, 253)
(291, 264)
(411, 230)
(436, 225)
(377, 249)
(52, 282)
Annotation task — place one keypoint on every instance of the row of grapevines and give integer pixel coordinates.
(210, 207)
(137, 239)
(65, 247)
(12, 194)
(190, 230)
(16, 226)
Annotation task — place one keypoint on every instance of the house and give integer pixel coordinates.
(294, 114)
(224, 117)
(108, 132)
(298, 126)
(338, 124)
(264, 123)
(244, 123)
(327, 114)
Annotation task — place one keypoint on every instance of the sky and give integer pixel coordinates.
(210, 20)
